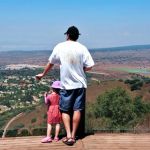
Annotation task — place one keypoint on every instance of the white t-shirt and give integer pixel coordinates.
(72, 57)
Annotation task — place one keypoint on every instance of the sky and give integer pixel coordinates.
(40, 24)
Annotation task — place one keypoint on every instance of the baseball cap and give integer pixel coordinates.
(72, 31)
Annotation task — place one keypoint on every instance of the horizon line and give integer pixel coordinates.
(101, 48)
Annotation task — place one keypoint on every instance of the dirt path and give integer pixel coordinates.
(8, 124)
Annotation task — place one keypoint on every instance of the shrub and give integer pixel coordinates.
(117, 107)
(146, 80)
(24, 132)
(141, 108)
(33, 120)
(45, 116)
(2, 122)
(1, 133)
(115, 111)
(11, 133)
(18, 126)
(120, 80)
(39, 131)
(135, 83)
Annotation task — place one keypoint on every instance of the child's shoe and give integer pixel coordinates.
(56, 139)
(46, 140)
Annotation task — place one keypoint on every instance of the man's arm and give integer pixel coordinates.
(88, 62)
(47, 68)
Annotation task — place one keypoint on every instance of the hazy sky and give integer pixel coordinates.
(40, 24)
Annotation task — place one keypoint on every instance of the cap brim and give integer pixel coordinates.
(67, 33)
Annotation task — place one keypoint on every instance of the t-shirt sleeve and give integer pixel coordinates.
(87, 59)
(54, 57)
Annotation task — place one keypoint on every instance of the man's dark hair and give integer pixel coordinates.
(73, 37)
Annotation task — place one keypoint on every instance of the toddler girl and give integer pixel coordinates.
(53, 113)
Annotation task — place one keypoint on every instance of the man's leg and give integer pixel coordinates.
(75, 122)
(66, 121)
(79, 109)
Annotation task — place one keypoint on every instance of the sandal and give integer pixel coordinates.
(56, 139)
(64, 139)
(69, 141)
(46, 140)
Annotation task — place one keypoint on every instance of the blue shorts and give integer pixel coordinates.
(72, 99)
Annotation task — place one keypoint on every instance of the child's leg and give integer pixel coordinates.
(57, 129)
(48, 138)
(49, 129)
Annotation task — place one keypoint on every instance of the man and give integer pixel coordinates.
(74, 59)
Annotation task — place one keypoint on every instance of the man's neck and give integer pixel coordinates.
(71, 40)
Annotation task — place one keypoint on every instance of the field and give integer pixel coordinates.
(120, 62)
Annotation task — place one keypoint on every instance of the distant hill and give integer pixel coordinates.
(124, 48)
(124, 54)
(24, 57)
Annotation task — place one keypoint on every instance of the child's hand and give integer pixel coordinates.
(45, 94)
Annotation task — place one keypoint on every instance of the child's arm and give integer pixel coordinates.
(45, 98)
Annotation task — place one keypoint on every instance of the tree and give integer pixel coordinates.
(117, 107)
(141, 108)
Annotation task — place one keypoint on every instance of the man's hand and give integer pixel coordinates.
(47, 68)
(39, 76)
(87, 68)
